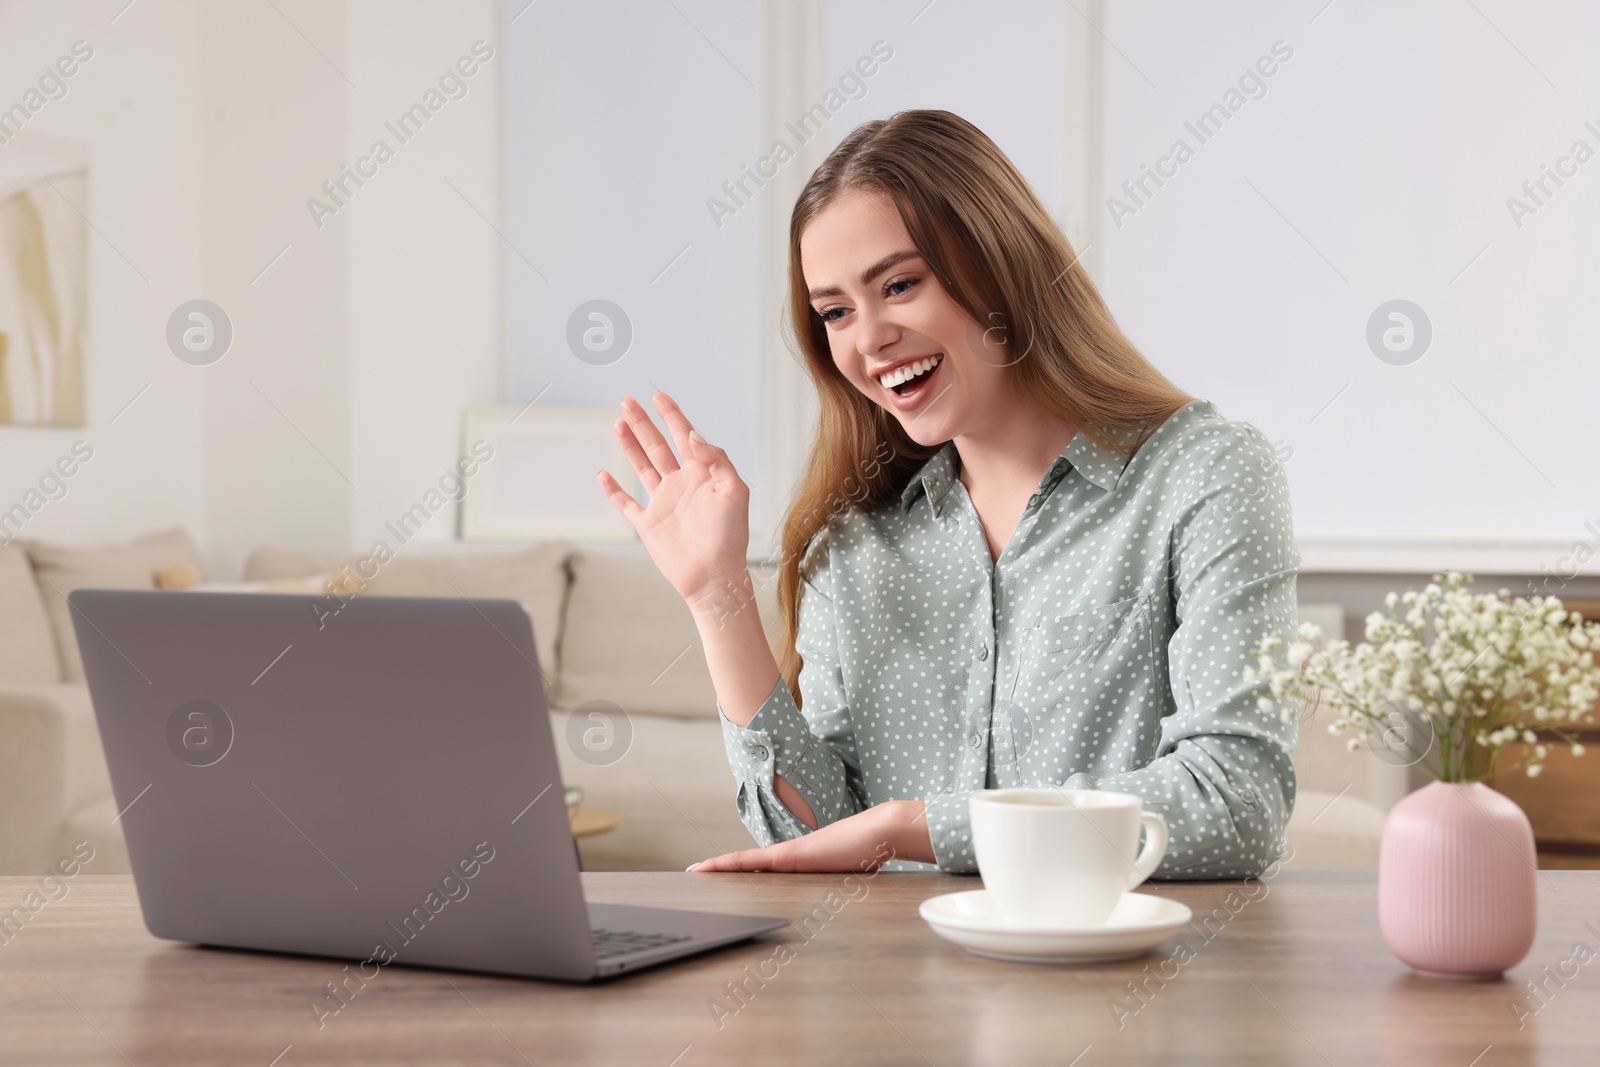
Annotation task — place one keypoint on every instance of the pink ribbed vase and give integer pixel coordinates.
(1456, 881)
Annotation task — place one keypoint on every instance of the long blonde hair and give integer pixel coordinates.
(1000, 255)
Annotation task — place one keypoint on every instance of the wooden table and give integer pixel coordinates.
(1294, 972)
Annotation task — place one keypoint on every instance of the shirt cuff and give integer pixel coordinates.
(950, 832)
(775, 741)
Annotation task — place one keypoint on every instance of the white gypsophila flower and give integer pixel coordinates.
(1477, 670)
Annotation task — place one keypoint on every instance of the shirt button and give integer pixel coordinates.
(759, 751)
(976, 739)
(983, 651)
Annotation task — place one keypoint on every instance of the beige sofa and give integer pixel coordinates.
(621, 657)
(54, 788)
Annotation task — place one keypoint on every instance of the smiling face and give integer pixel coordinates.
(885, 310)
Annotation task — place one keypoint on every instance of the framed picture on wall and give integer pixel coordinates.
(536, 475)
(44, 292)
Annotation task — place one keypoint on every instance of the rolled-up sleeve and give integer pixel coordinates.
(1223, 776)
(813, 750)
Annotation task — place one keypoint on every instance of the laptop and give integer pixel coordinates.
(366, 778)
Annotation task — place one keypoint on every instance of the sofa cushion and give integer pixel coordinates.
(27, 645)
(672, 787)
(629, 638)
(51, 764)
(537, 577)
(86, 777)
(270, 564)
(62, 568)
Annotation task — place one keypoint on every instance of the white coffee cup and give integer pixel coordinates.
(1062, 857)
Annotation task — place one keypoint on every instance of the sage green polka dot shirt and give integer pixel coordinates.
(1102, 650)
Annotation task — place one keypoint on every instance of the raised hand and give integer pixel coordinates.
(697, 524)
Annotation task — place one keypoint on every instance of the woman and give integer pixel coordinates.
(1019, 555)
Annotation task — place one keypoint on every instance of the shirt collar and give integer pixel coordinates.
(1099, 465)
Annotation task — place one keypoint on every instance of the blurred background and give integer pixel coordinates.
(273, 271)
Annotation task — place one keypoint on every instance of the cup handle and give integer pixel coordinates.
(1155, 847)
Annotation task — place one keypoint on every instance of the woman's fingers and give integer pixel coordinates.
(649, 477)
(620, 498)
(677, 423)
(750, 860)
(644, 428)
(853, 843)
(785, 857)
(689, 441)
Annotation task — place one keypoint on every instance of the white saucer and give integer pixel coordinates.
(1139, 923)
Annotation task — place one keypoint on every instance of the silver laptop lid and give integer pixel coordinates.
(372, 782)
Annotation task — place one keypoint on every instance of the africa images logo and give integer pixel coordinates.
(199, 332)
(199, 733)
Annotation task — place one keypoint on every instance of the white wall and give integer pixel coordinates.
(621, 122)
(209, 126)
(135, 104)
(424, 282)
(272, 129)
(1377, 166)
(999, 66)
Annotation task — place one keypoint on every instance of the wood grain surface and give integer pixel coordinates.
(1290, 969)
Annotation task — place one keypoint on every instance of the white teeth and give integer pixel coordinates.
(909, 371)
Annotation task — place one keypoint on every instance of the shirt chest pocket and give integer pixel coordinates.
(1104, 652)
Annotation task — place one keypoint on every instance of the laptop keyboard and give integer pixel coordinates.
(608, 943)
